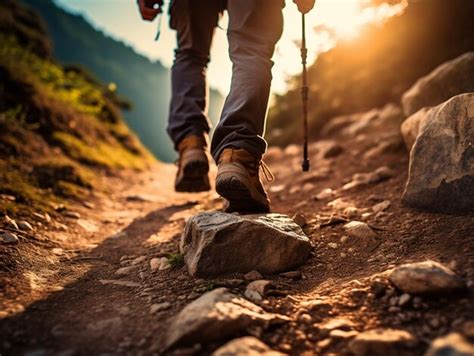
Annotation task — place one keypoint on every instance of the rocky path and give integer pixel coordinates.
(116, 279)
(107, 276)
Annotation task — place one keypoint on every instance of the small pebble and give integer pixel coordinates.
(25, 225)
(159, 307)
(8, 238)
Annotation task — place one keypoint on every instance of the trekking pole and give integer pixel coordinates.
(304, 95)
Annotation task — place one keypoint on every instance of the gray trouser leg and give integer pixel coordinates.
(254, 28)
(194, 21)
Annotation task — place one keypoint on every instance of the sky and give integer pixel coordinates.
(333, 19)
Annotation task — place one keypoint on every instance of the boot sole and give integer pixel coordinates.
(195, 178)
(239, 197)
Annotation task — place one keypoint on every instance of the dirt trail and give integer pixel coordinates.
(79, 305)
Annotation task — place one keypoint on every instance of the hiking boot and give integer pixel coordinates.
(238, 181)
(193, 165)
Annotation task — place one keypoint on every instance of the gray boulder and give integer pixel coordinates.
(441, 171)
(216, 315)
(215, 243)
(449, 79)
(245, 346)
(453, 344)
(424, 278)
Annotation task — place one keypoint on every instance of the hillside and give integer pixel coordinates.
(376, 67)
(61, 131)
(145, 83)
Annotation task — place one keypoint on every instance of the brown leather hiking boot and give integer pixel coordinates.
(238, 181)
(193, 165)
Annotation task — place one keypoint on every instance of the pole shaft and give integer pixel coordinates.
(304, 94)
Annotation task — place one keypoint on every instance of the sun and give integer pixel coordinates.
(342, 17)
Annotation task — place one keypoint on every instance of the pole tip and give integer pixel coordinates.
(305, 165)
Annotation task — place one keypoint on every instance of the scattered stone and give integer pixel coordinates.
(253, 276)
(360, 179)
(453, 344)
(333, 245)
(88, 205)
(25, 225)
(7, 197)
(299, 219)
(247, 345)
(382, 206)
(216, 243)
(8, 238)
(256, 290)
(342, 335)
(449, 79)
(155, 308)
(388, 342)
(325, 194)
(72, 214)
(360, 230)
(404, 299)
(119, 283)
(351, 212)
(125, 270)
(11, 223)
(138, 260)
(44, 216)
(344, 239)
(292, 275)
(277, 188)
(216, 315)
(338, 204)
(159, 264)
(333, 324)
(428, 277)
(441, 173)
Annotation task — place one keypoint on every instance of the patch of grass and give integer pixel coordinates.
(29, 197)
(176, 260)
(99, 154)
(70, 190)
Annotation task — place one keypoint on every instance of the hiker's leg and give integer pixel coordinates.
(254, 28)
(194, 21)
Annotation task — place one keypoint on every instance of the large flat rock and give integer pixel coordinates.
(216, 315)
(441, 171)
(449, 79)
(215, 243)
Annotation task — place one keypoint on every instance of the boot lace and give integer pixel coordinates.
(267, 172)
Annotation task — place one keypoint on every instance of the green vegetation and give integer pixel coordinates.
(176, 260)
(145, 83)
(60, 129)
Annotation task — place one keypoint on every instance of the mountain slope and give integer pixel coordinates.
(376, 67)
(145, 83)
